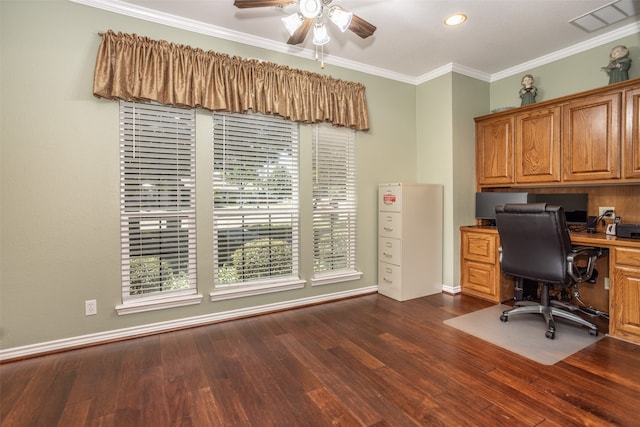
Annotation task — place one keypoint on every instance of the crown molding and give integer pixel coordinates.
(146, 14)
(453, 68)
(625, 31)
(117, 6)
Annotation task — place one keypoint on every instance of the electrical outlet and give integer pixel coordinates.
(603, 209)
(90, 307)
(606, 283)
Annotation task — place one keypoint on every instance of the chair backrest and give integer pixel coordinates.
(535, 242)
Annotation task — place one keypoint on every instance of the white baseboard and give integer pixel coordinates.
(453, 290)
(136, 331)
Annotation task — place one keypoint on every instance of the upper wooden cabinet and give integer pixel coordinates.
(631, 145)
(494, 151)
(591, 138)
(588, 138)
(537, 146)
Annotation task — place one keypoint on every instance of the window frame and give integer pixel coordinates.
(233, 136)
(334, 195)
(149, 153)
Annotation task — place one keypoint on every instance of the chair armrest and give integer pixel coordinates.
(581, 274)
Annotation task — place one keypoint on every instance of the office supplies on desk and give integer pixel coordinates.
(631, 231)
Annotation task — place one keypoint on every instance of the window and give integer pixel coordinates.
(157, 207)
(255, 204)
(334, 204)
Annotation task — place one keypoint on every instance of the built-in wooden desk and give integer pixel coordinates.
(481, 276)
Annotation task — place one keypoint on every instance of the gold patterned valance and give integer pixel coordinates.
(137, 68)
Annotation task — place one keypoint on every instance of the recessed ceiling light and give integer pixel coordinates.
(456, 19)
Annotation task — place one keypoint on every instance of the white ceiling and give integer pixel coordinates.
(500, 37)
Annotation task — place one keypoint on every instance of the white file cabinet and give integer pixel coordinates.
(409, 240)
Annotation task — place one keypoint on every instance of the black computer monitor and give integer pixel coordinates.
(575, 205)
(486, 202)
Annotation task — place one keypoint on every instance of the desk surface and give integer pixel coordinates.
(600, 240)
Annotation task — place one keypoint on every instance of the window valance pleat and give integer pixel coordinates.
(137, 68)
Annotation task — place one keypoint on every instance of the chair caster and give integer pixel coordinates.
(550, 334)
(504, 318)
(593, 332)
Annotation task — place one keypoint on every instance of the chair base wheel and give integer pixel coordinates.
(504, 318)
(550, 334)
(593, 332)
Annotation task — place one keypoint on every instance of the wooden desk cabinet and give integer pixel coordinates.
(624, 302)
(480, 274)
(494, 151)
(537, 146)
(590, 137)
(631, 145)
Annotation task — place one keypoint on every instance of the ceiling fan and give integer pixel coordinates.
(313, 13)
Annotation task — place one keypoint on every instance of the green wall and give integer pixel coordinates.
(60, 182)
(59, 212)
(575, 73)
(445, 109)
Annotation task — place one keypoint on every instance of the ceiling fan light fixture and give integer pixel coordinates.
(340, 17)
(455, 19)
(320, 36)
(310, 8)
(292, 22)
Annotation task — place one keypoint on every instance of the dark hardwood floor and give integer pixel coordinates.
(365, 361)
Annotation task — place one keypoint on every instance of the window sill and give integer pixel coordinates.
(238, 291)
(152, 304)
(335, 277)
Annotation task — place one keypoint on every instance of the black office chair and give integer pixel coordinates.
(535, 245)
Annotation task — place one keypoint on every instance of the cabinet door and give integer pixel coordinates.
(631, 145)
(537, 146)
(479, 247)
(494, 150)
(591, 138)
(479, 279)
(625, 295)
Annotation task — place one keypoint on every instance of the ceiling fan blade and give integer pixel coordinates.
(301, 33)
(244, 4)
(361, 27)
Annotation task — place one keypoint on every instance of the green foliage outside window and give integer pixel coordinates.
(259, 258)
(151, 274)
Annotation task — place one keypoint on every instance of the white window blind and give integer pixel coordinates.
(255, 204)
(334, 200)
(157, 201)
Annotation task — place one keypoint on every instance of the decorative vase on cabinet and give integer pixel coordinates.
(409, 240)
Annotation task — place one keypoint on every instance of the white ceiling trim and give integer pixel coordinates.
(127, 9)
(146, 14)
(625, 31)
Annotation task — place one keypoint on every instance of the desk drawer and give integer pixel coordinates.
(479, 247)
(628, 256)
